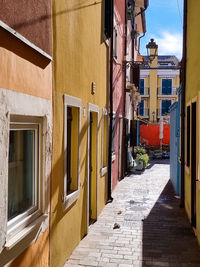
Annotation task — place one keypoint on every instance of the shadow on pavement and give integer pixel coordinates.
(168, 239)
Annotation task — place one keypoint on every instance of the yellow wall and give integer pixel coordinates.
(153, 82)
(192, 91)
(80, 58)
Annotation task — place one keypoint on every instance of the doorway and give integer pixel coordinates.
(120, 148)
(92, 188)
(193, 165)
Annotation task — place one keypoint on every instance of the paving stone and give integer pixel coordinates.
(153, 231)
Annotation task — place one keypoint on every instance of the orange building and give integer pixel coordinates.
(25, 132)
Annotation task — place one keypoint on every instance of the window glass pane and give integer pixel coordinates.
(166, 86)
(142, 86)
(165, 106)
(142, 108)
(21, 172)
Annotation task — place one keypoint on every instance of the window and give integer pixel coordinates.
(72, 120)
(113, 133)
(165, 107)
(108, 17)
(25, 151)
(23, 174)
(142, 86)
(141, 108)
(115, 43)
(188, 137)
(104, 142)
(166, 86)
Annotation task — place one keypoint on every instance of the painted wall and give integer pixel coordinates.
(118, 81)
(149, 135)
(192, 95)
(27, 74)
(36, 255)
(80, 58)
(31, 18)
(25, 70)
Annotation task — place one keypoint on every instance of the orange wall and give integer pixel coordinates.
(23, 69)
(149, 134)
(37, 255)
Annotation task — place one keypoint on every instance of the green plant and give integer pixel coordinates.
(144, 158)
(139, 151)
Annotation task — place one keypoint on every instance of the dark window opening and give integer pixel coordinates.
(188, 137)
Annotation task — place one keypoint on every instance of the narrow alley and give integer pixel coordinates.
(150, 228)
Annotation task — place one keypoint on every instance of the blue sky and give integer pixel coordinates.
(164, 21)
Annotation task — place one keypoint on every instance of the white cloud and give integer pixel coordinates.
(170, 44)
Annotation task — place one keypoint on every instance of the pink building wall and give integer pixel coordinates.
(118, 80)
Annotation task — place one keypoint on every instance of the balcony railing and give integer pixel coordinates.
(171, 92)
(146, 92)
(143, 112)
(162, 112)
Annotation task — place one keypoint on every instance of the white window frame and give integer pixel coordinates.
(24, 109)
(104, 169)
(22, 220)
(68, 200)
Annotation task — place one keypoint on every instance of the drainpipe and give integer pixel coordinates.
(183, 81)
(109, 198)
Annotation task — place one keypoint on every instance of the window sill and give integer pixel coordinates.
(70, 199)
(104, 171)
(23, 233)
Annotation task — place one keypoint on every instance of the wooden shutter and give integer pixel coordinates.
(108, 16)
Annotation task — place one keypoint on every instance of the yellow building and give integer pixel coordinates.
(159, 81)
(79, 169)
(191, 87)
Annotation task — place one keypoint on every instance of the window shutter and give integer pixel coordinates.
(142, 86)
(108, 16)
(136, 75)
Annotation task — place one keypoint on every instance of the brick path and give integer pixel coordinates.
(153, 231)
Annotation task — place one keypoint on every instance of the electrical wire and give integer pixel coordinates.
(179, 11)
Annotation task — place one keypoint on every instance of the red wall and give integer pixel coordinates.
(118, 80)
(149, 134)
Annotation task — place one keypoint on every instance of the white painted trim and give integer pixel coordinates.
(103, 168)
(144, 73)
(68, 200)
(168, 72)
(92, 108)
(24, 40)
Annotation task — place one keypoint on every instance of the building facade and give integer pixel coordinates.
(81, 43)
(191, 96)
(159, 82)
(26, 132)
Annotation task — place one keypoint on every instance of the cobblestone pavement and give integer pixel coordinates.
(153, 231)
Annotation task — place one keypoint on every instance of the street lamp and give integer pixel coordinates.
(151, 45)
(153, 113)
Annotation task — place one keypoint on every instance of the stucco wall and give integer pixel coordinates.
(30, 18)
(192, 94)
(80, 58)
(24, 69)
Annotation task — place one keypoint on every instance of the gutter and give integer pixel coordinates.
(109, 196)
(183, 82)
